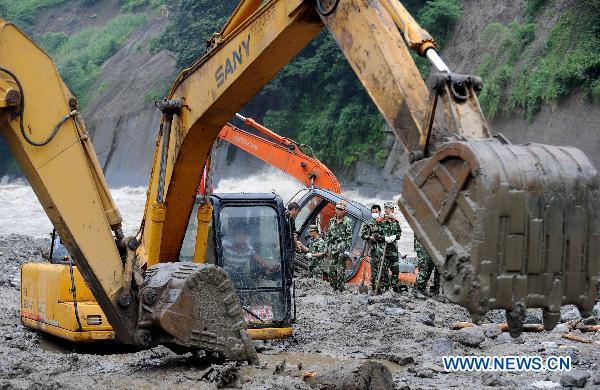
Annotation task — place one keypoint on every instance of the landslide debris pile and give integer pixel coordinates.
(338, 335)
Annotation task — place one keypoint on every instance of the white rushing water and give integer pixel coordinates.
(23, 214)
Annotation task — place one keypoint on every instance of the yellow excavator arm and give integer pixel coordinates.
(509, 226)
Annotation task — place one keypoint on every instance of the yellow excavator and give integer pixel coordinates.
(509, 226)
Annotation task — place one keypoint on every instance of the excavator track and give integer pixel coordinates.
(510, 227)
(190, 307)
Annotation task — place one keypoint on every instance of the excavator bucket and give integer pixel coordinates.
(509, 227)
(190, 307)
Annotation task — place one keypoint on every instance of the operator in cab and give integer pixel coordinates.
(241, 260)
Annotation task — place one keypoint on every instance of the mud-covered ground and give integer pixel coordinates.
(408, 336)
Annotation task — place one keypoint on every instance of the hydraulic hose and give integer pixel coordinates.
(22, 111)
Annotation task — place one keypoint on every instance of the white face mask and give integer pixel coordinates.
(375, 215)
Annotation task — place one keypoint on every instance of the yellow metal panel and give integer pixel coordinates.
(78, 337)
(46, 298)
(63, 173)
(215, 88)
(269, 333)
(204, 217)
(370, 40)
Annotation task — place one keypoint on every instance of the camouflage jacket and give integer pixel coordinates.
(383, 227)
(421, 252)
(366, 228)
(317, 245)
(339, 235)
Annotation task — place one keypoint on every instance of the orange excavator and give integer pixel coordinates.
(283, 153)
(322, 187)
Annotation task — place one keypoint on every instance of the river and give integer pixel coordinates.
(23, 214)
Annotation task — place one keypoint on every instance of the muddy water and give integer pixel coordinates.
(22, 213)
(332, 330)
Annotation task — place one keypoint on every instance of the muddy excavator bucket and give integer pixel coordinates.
(191, 307)
(509, 227)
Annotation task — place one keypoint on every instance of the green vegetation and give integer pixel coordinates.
(80, 56)
(497, 69)
(316, 99)
(135, 5)
(438, 18)
(568, 60)
(23, 12)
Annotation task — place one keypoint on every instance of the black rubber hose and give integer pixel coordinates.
(73, 291)
(327, 13)
(21, 114)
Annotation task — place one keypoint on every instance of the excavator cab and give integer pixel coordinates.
(253, 245)
(316, 207)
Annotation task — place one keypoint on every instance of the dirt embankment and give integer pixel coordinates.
(573, 121)
(334, 331)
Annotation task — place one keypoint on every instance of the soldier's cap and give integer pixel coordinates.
(313, 228)
(341, 206)
(388, 205)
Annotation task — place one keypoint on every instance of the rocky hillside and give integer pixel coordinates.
(542, 81)
(542, 78)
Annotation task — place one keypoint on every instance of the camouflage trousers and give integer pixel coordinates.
(315, 268)
(390, 266)
(337, 271)
(426, 268)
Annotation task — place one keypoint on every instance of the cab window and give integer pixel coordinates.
(251, 250)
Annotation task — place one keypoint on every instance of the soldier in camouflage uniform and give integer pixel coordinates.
(314, 252)
(426, 267)
(338, 239)
(386, 232)
(367, 228)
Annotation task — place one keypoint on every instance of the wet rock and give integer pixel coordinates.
(560, 328)
(531, 318)
(354, 376)
(505, 337)
(222, 375)
(573, 353)
(470, 337)
(574, 378)
(569, 313)
(496, 379)
(425, 318)
(593, 320)
(394, 311)
(387, 298)
(442, 346)
(433, 367)
(280, 367)
(492, 330)
(400, 358)
(425, 374)
(549, 345)
(544, 385)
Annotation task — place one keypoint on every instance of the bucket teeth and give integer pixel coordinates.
(509, 226)
(197, 309)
